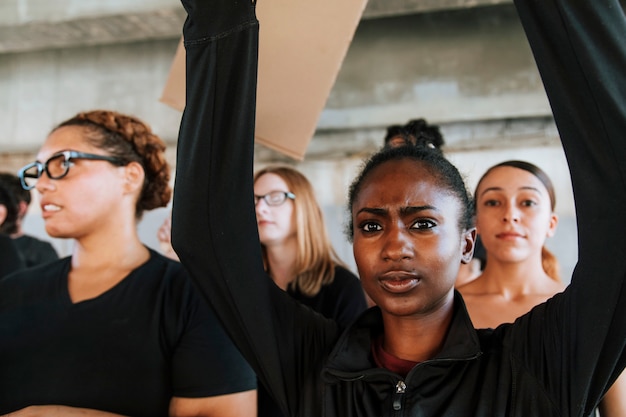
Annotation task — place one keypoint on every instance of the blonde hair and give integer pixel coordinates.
(315, 257)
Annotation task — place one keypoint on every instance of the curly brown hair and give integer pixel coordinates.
(131, 140)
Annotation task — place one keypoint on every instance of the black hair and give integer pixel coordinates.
(447, 175)
(13, 183)
(416, 132)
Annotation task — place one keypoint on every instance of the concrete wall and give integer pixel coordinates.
(19, 12)
(41, 88)
(467, 68)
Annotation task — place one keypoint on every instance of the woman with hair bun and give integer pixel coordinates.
(115, 328)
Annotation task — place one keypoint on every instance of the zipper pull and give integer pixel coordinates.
(400, 389)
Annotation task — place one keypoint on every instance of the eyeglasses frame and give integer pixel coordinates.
(68, 155)
(287, 194)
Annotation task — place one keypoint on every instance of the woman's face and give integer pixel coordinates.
(276, 223)
(85, 200)
(513, 214)
(407, 242)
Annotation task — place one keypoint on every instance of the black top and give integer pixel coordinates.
(10, 260)
(557, 360)
(35, 251)
(127, 351)
(343, 300)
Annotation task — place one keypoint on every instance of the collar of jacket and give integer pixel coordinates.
(351, 359)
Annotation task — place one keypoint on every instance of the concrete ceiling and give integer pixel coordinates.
(166, 23)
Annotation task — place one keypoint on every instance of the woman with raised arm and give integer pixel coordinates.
(416, 352)
(115, 328)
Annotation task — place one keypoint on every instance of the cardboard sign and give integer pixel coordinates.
(174, 92)
(301, 47)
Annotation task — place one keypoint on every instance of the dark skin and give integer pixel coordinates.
(408, 249)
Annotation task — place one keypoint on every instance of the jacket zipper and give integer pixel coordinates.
(397, 398)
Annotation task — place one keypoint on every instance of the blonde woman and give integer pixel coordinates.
(297, 252)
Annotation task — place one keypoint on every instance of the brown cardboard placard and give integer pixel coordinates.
(174, 92)
(301, 47)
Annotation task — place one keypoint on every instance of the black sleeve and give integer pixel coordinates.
(10, 260)
(214, 227)
(575, 342)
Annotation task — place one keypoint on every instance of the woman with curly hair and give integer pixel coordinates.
(115, 328)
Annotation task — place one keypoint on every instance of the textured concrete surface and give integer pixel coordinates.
(42, 24)
(461, 65)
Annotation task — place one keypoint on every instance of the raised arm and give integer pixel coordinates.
(214, 227)
(580, 49)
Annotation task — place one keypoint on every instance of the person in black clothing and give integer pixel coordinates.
(32, 250)
(297, 251)
(416, 353)
(115, 328)
(298, 254)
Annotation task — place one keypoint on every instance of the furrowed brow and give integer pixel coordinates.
(416, 209)
(374, 210)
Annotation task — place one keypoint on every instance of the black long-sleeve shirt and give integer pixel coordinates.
(558, 359)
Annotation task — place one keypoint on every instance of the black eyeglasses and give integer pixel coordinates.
(274, 198)
(57, 166)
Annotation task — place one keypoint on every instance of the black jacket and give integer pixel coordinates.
(557, 360)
